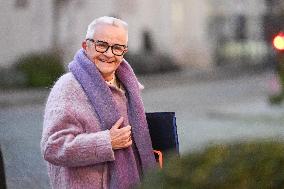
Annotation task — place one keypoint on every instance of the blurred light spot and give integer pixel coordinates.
(278, 41)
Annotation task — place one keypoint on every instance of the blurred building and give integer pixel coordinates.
(177, 27)
(236, 27)
(201, 33)
(242, 31)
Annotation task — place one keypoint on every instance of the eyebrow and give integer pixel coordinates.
(107, 43)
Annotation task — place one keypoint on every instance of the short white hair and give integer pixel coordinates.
(105, 20)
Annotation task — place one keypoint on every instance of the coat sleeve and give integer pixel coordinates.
(65, 142)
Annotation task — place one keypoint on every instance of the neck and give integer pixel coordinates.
(108, 77)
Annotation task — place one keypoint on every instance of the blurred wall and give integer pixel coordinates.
(25, 27)
(177, 27)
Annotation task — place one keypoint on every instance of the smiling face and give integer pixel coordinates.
(106, 62)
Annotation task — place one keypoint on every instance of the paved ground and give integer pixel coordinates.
(220, 110)
(19, 138)
(210, 108)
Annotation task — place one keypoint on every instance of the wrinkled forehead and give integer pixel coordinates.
(111, 33)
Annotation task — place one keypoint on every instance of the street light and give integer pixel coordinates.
(278, 44)
(278, 41)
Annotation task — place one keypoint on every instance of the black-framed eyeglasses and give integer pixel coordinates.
(102, 46)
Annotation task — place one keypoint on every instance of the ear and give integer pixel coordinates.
(84, 45)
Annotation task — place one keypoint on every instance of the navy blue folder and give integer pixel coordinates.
(163, 131)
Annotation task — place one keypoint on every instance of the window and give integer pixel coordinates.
(21, 3)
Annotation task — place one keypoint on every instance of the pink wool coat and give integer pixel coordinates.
(76, 162)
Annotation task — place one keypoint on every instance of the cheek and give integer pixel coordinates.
(93, 55)
(119, 59)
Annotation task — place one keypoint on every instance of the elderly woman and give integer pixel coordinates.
(95, 133)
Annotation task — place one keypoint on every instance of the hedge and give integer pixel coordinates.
(234, 166)
(40, 70)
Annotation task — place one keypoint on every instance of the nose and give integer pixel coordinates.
(109, 53)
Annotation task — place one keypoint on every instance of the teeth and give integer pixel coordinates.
(106, 61)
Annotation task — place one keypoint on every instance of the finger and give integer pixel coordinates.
(128, 143)
(127, 128)
(118, 123)
(126, 136)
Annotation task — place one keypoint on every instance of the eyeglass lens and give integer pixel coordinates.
(102, 47)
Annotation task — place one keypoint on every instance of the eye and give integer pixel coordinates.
(118, 48)
(102, 45)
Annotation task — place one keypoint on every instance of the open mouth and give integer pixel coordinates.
(106, 61)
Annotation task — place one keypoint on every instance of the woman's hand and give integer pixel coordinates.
(120, 137)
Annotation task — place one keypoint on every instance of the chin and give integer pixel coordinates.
(107, 71)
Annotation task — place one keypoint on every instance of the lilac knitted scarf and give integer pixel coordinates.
(122, 169)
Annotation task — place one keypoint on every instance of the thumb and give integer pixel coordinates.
(118, 123)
